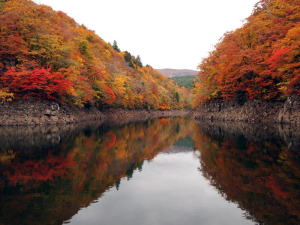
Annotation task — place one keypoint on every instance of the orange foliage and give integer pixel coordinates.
(259, 60)
(34, 36)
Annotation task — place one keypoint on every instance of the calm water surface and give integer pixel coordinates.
(160, 172)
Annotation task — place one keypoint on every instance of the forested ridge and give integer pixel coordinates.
(260, 60)
(185, 81)
(45, 54)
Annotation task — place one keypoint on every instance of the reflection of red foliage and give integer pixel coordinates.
(112, 140)
(40, 83)
(164, 120)
(264, 173)
(274, 186)
(30, 170)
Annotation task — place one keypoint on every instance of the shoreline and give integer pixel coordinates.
(33, 113)
(251, 111)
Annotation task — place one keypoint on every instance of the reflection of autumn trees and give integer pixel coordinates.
(260, 174)
(53, 186)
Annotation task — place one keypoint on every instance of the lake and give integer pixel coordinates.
(169, 171)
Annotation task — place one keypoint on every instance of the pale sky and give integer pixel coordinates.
(165, 33)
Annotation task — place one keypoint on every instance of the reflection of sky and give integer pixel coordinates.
(169, 191)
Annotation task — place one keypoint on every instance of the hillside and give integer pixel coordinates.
(45, 54)
(185, 81)
(261, 60)
(177, 72)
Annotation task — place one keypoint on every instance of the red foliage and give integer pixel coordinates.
(277, 57)
(37, 83)
(111, 97)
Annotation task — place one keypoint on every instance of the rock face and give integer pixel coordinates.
(251, 111)
(44, 112)
(19, 113)
(290, 113)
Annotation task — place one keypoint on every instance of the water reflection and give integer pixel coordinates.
(47, 175)
(169, 191)
(256, 167)
(149, 173)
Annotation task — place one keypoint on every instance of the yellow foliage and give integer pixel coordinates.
(5, 96)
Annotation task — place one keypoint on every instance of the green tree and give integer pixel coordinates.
(115, 46)
(139, 61)
(129, 59)
(177, 97)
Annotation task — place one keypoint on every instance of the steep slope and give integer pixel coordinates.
(45, 54)
(260, 61)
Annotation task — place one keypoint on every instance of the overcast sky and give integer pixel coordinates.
(165, 33)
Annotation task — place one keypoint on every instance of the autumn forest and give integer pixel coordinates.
(257, 61)
(46, 55)
(91, 134)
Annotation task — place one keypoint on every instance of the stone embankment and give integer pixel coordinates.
(251, 111)
(20, 113)
(43, 112)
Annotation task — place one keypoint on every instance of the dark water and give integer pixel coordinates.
(166, 171)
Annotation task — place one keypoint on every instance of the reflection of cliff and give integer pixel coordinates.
(36, 138)
(258, 168)
(49, 183)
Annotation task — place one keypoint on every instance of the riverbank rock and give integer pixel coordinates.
(44, 112)
(31, 112)
(251, 111)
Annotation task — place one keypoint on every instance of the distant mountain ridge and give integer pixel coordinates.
(177, 72)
